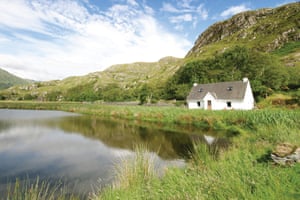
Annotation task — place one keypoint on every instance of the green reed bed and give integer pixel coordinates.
(134, 177)
(244, 171)
(37, 190)
(168, 114)
(236, 174)
(281, 124)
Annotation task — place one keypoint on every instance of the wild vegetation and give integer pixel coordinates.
(264, 30)
(8, 80)
(265, 72)
(242, 171)
(117, 83)
(27, 190)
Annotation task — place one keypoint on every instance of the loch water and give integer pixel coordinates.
(78, 151)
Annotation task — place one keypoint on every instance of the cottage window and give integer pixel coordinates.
(229, 88)
(228, 104)
(199, 103)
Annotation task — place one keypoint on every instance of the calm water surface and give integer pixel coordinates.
(80, 151)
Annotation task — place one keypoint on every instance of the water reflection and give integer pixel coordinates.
(121, 134)
(76, 149)
(79, 150)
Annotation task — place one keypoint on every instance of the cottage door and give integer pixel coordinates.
(209, 105)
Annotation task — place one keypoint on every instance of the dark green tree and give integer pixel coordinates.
(265, 72)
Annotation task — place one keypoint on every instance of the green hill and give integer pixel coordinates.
(8, 80)
(117, 83)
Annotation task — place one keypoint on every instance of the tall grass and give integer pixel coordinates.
(181, 116)
(133, 177)
(244, 171)
(139, 167)
(235, 174)
(26, 190)
(288, 48)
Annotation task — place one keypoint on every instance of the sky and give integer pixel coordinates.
(54, 39)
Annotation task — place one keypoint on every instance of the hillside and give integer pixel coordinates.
(275, 32)
(7, 80)
(115, 81)
(265, 30)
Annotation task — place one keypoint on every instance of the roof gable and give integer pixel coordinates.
(222, 90)
(210, 95)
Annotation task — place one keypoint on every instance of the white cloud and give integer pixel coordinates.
(234, 10)
(185, 4)
(60, 38)
(185, 12)
(132, 2)
(167, 7)
(17, 14)
(181, 18)
(202, 12)
(285, 2)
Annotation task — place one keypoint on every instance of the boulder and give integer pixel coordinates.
(286, 154)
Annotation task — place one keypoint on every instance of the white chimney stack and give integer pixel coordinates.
(245, 79)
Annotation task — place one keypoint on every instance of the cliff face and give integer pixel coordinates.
(264, 29)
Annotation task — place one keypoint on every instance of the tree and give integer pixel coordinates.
(145, 94)
(265, 72)
(296, 97)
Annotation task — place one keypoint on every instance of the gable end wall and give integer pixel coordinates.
(247, 103)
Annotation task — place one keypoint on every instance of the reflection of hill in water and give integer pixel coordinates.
(127, 135)
(4, 126)
(121, 134)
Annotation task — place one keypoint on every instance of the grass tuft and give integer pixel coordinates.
(26, 190)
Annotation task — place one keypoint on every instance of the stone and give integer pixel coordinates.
(286, 154)
(295, 156)
(284, 149)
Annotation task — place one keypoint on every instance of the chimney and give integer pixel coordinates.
(245, 79)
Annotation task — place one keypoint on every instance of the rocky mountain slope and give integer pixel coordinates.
(7, 80)
(264, 30)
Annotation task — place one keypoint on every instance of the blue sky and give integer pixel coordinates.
(54, 39)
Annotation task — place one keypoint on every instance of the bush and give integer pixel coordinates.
(296, 97)
(2, 97)
(29, 97)
(265, 72)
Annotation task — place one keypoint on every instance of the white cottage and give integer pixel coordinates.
(222, 96)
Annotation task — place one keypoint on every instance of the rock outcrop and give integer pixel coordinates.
(265, 29)
(286, 154)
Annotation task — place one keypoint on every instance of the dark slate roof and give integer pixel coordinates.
(223, 90)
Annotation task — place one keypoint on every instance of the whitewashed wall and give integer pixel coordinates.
(194, 105)
(246, 104)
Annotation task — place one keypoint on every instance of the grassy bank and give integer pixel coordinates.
(234, 175)
(244, 171)
(218, 120)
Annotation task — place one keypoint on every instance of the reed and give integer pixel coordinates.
(37, 190)
(133, 176)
